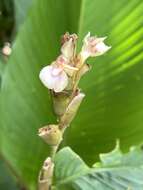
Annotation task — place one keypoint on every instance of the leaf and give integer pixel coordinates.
(1, 67)
(1, 72)
(22, 8)
(7, 181)
(116, 171)
(74, 165)
(19, 8)
(113, 105)
(25, 104)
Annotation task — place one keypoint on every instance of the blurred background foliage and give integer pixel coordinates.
(114, 102)
(6, 20)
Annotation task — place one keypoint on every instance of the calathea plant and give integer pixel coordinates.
(62, 77)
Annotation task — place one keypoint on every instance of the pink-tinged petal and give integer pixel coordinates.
(84, 55)
(69, 69)
(61, 60)
(46, 76)
(102, 48)
(68, 49)
(56, 81)
(60, 82)
(85, 40)
(68, 45)
(93, 46)
(56, 70)
(64, 64)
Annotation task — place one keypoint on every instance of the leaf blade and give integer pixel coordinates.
(121, 175)
(25, 103)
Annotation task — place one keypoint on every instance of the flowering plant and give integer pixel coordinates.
(110, 95)
(62, 78)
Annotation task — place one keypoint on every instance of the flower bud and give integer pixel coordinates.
(51, 134)
(68, 45)
(60, 102)
(68, 36)
(71, 110)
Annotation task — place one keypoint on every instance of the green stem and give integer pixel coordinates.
(62, 128)
(53, 151)
(53, 154)
(76, 80)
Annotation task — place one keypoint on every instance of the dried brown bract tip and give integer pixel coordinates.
(66, 37)
(47, 164)
(51, 134)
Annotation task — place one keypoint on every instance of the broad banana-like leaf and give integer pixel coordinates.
(25, 103)
(113, 105)
(7, 180)
(22, 9)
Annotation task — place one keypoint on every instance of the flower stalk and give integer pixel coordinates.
(46, 174)
(62, 78)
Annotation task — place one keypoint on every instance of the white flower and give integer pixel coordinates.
(93, 46)
(55, 76)
(61, 60)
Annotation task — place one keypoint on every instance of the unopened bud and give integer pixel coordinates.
(72, 110)
(68, 45)
(60, 102)
(66, 37)
(51, 134)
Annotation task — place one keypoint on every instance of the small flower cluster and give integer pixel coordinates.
(62, 78)
(63, 73)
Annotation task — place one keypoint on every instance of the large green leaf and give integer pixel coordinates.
(14, 14)
(25, 102)
(7, 180)
(116, 171)
(1, 67)
(114, 92)
(113, 105)
(22, 8)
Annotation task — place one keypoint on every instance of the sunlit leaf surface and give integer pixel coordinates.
(113, 105)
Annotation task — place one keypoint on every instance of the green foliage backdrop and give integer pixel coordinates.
(113, 105)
